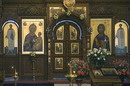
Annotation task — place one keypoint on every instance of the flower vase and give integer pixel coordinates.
(79, 81)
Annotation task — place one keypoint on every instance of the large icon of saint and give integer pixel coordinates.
(101, 40)
(10, 36)
(32, 42)
(120, 35)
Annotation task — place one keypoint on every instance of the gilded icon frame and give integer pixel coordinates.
(97, 72)
(59, 48)
(74, 48)
(119, 49)
(59, 63)
(74, 59)
(81, 9)
(39, 25)
(60, 33)
(10, 46)
(73, 33)
(109, 71)
(107, 22)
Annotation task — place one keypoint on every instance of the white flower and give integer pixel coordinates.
(95, 50)
(98, 52)
(74, 72)
(105, 50)
(95, 54)
(98, 58)
(101, 53)
(108, 53)
(88, 54)
(104, 59)
(91, 52)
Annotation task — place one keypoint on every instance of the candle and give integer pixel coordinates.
(70, 70)
(74, 72)
(14, 72)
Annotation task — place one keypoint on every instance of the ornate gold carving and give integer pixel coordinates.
(102, 9)
(69, 3)
(31, 11)
(122, 13)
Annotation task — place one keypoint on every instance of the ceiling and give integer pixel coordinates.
(52, 1)
(23, 1)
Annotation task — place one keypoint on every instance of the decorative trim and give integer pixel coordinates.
(31, 11)
(102, 9)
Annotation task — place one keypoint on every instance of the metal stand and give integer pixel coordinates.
(33, 69)
(32, 57)
(15, 77)
(71, 77)
(15, 82)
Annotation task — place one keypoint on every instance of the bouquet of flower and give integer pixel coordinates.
(80, 68)
(98, 56)
(122, 67)
(120, 64)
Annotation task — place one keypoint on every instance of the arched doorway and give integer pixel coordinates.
(67, 40)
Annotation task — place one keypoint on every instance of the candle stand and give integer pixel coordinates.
(71, 77)
(15, 76)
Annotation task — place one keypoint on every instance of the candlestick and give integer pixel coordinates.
(15, 75)
(14, 72)
(70, 70)
(71, 76)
